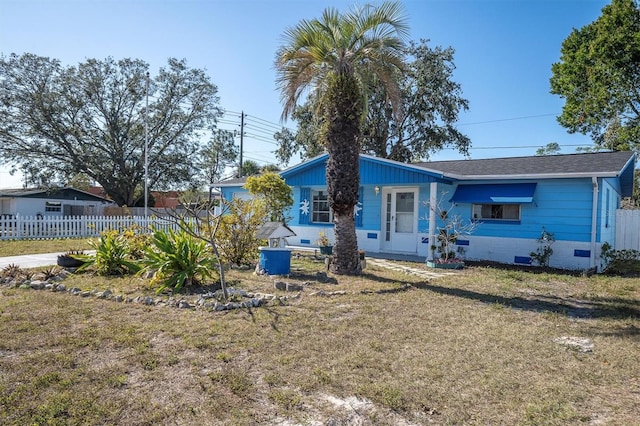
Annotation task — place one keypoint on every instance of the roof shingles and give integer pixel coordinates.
(594, 163)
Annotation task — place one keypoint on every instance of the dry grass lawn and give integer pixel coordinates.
(20, 247)
(474, 347)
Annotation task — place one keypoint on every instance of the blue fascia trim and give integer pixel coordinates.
(626, 178)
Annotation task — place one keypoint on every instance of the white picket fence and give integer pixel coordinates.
(627, 229)
(48, 227)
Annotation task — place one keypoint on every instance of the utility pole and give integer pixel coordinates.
(146, 147)
(241, 141)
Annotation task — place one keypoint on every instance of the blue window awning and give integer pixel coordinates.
(501, 193)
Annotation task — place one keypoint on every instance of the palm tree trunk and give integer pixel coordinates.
(343, 109)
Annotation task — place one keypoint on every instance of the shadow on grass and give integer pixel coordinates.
(383, 280)
(574, 308)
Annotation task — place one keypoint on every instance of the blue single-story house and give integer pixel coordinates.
(572, 196)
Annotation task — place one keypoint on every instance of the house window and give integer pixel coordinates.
(51, 206)
(496, 211)
(320, 211)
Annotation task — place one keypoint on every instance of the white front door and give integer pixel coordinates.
(400, 220)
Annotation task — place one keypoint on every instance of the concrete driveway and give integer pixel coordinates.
(30, 260)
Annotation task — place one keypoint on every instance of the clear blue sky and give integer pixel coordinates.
(504, 51)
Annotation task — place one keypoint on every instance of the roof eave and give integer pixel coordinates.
(532, 176)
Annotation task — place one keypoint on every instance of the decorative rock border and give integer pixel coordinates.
(208, 301)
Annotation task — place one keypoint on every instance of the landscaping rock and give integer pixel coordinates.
(328, 293)
(103, 294)
(241, 298)
(284, 286)
(37, 285)
(579, 344)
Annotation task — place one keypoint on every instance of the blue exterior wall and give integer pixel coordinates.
(372, 172)
(371, 207)
(609, 201)
(562, 206)
(384, 173)
(229, 191)
(314, 175)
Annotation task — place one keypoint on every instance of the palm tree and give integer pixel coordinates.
(340, 56)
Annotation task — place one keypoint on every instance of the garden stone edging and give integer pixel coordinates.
(206, 301)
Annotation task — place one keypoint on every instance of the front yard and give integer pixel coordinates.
(479, 346)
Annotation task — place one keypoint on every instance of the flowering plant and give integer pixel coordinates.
(323, 240)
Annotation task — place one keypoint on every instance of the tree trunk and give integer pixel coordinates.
(343, 109)
(346, 258)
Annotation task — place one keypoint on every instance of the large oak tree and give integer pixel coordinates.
(598, 76)
(57, 121)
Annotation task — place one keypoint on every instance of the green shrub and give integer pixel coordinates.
(236, 237)
(137, 241)
(620, 262)
(544, 251)
(272, 189)
(113, 255)
(178, 260)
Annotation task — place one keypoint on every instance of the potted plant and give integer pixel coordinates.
(71, 259)
(326, 247)
(449, 256)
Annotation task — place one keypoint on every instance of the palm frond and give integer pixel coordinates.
(364, 40)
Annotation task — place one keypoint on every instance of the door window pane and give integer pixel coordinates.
(404, 212)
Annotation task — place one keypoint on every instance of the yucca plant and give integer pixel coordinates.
(178, 260)
(113, 256)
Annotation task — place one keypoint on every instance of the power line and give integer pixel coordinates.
(263, 122)
(507, 119)
(261, 138)
(519, 147)
(261, 129)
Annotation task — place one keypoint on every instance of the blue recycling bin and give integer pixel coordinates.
(275, 260)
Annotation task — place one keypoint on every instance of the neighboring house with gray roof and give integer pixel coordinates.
(51, 202)
(572, 196)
